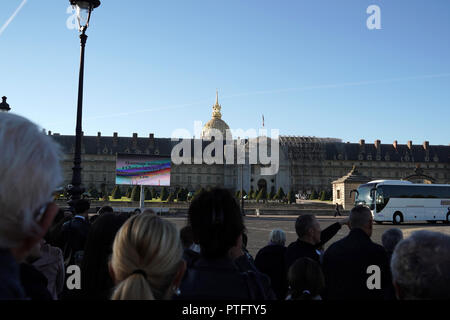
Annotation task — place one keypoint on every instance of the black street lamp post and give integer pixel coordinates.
(242, 190)
(84, 9)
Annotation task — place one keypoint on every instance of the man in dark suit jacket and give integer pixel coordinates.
(355, 267)
(75, 231)
(310, 238)
(270, 261)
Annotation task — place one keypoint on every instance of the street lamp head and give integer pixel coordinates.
(4, 106)
(84, 9)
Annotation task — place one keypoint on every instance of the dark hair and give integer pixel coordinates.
(81, 206)
(105, 209)
(360, 216)
(303, 224)
(186, 236)
(244, 240)
(216, 221)
(306, 279)
(96, 282)
(50, 235)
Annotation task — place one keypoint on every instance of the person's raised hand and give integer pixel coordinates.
(344, 221)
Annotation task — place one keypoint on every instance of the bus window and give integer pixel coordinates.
(363, 196)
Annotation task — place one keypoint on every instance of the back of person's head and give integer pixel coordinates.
(277, 236)
(59, 217)
(29, 171)
(303, 224)
(82, 206)
(96, 281)
(216, 221)
(146, 259)
(360, 217)
(105, 209)
(421, 266)
(305, 279)
(186, 237)
(390, 238)
(148, 211)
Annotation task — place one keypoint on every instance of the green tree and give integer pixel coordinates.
(171, 197)
(164, 194)
(313, 195)
(262, 194)
(291, 197)
(323, 195)
(129, 191)
(116, 193)
(329, 195)
(182, 194)
(272, 193)
(136, 193)
(147, 194)
(280, 194)
(154, 194)
(93, 192)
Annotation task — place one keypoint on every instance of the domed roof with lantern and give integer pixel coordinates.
(216, 122)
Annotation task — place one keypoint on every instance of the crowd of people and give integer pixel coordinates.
(142, 256)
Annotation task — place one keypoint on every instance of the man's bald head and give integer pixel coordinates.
(361, 217)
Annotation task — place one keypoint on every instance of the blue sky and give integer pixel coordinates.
(312, 67)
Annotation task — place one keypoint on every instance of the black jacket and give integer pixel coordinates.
(300, 249)
(224, 279)
(74, 235)
(270, 261)
(345, 266)
(34, 283)
(10, 285)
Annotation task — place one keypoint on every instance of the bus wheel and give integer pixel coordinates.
(398, 218)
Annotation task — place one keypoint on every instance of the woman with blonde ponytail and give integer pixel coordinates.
(146, 263)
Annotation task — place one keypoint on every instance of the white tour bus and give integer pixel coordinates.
(400, 201)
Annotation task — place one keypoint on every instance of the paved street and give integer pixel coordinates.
(260, 227)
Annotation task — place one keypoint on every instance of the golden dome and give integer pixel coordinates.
(216, 122)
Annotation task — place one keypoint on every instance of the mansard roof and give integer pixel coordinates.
(335, 149)
(294, 147)
(387, 152)
(113, 145)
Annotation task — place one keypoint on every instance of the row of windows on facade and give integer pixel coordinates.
(108, 179)
(110, 165)
(373, 164)
(177, 178)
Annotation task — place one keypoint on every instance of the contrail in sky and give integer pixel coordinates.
(3, 28)
(324, 86)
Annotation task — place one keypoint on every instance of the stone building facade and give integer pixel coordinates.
(305, 163)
